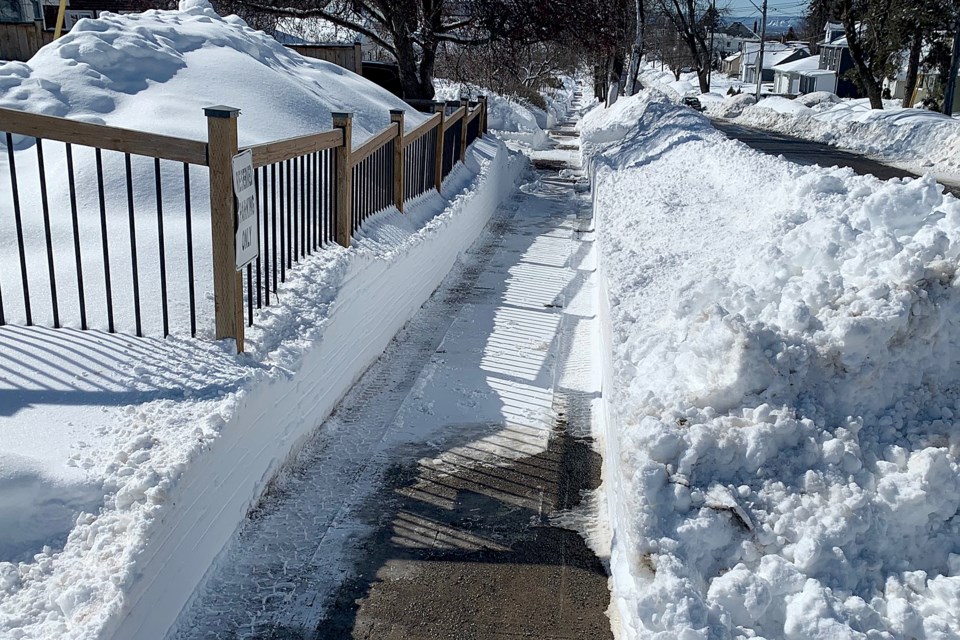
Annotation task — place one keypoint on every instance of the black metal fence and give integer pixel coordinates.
(106, 228)
(420, 165)
(451, 147)
(84, 260)
(373, 184)
(473, 130)
(297, 216)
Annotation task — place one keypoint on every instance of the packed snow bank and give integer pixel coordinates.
(917, 138)
(513, 119)
(782, 398)
(125, 464)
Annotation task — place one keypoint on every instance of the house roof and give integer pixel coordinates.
(810, 73)
(739, 30)
(810, 62)
(734, 56)
(774, 58)
(839, 42)
(751, 48)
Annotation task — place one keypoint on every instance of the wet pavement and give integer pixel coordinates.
(813, 153)
(436, 502)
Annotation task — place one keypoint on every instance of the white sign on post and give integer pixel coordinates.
(248, 232)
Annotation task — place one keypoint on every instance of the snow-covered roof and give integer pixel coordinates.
(734, 56)
(778, 57)
(839, 42)
(773, 58)
(754, 47)
(810, 62)
(811, 73)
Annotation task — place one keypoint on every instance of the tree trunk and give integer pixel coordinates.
(428, 62)
(614, 76)
(868, 82)
(599, 84)
(704, 78)
(913, 67)
(637, 53)
(407, 64)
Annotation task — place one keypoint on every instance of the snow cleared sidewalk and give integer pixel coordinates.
(126, 464)
(428, 495)
(162, 445)
(783, 387)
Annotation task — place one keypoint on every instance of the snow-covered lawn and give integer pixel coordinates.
(126, 464)
(782, 399)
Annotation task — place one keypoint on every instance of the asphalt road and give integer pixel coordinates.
(814, 153)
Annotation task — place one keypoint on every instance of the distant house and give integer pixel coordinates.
(740, 30)
(731, 64)
(787, 75)
(771, 58)
(812, 80)
(751, 51)
(835, 57)
(832, 31)
(926, 82)
(730, 39)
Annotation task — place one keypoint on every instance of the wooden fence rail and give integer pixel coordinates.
(310, 191)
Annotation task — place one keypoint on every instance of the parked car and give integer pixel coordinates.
(693, 102)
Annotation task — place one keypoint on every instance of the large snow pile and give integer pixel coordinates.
(156, 71)
(783, 446)
(126, 464)
(921, 139)
(650, 74)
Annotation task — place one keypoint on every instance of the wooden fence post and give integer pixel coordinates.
(396, 115)
(439, 107)
(344, 193)
(358, 57)
(465, 104)
(483, 115)
(227, 281)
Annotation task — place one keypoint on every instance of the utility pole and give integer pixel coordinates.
(763, 35)
(713, 20)
(954, 68)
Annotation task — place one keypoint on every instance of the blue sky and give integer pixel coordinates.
(774, 7)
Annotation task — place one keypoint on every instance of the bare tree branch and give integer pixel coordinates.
(321, 13)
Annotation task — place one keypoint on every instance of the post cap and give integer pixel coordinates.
(396, 112)
(221, 111)
(342, 115)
